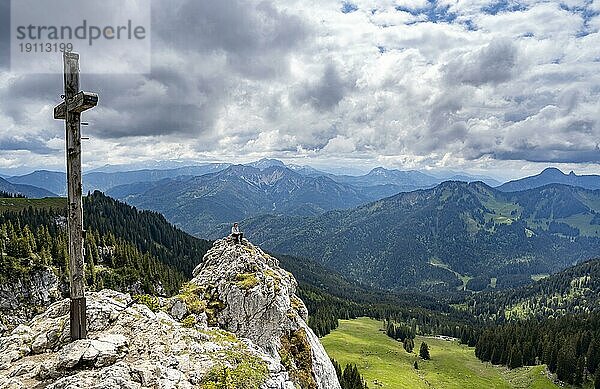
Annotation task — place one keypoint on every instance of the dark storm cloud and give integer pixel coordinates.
(492, 64)
(327, 92)
(255, 37)
(162, 103)
(178, 98)
(4, 34)
(27, 90)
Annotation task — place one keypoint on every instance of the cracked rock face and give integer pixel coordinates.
(238, 321)
(22, 298)
(128, 346)
(255, 299)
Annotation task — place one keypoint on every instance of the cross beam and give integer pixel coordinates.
(70, 110)
(81, 102)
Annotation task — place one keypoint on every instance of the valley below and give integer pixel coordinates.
(384, 363)
(503, 286)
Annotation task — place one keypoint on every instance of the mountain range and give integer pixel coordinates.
(552, 176)
(436, 239)
(26, 190)
(56, 182)
(381, 182)
(198, 204)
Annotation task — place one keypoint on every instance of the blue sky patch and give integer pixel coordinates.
(348, 7)
(586, 14)
(504, 6)
(469, 25)
(434, 12)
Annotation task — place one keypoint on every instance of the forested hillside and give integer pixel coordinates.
(149, 231)
(572, 291)
(125, 248)
(437, 239)
(330, 297)
(568, 345)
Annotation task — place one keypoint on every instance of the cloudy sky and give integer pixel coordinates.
(493, 86)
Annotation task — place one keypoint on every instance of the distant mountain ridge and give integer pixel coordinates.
(56, 182)
(198, 204)
(378, 183)
(106, 181)
(432, 239)
(552, 176)
(406, 181)
(26, 190)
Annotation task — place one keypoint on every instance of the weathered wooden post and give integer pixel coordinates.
(70, 111)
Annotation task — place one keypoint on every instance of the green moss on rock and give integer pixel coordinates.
(189, 321)
(296, 357)
(246, 280)
(297, 304)
(190, 294)
(248, 373)
(276, 279)
(147, 300)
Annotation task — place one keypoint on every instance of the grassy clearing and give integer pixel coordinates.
(384, 364)
(537, 277)
(438, 263)
(20, 204)
(584, 223)
(493, 282)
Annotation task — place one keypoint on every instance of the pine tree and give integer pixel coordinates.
(351, 378)
(338, 369)
(593, 356)
(424, 351)
(516, 358)
(579, 369)
(565, 365)
(408, 345)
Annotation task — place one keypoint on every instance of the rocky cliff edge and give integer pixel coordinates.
(237, 324)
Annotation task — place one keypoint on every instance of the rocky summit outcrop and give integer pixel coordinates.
(24, 296)
(248, 294)
(237, 324)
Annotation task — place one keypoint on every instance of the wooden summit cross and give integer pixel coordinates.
(75, 102)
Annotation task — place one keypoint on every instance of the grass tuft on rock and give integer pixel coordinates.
(149, 301)
(249, 373)
(246, 280)
(190, 295)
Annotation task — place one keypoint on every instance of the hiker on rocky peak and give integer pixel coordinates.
(236, 234)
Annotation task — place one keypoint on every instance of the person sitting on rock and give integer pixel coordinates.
(236, 234)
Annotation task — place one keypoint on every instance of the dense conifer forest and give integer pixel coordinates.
(572, 291)
(349, 377)
(124, 249)
(568, 345)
